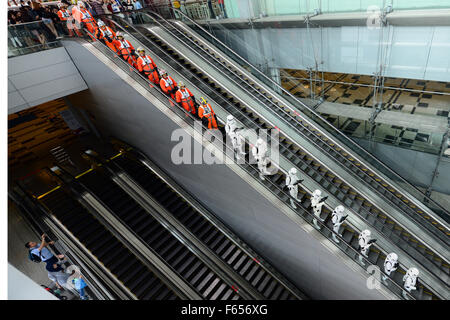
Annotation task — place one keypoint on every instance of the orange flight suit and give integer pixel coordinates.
(185, 98)
(64, 15)
(106, 34)
(125, 49)
(168, 85)
(146, 65)
(208, 113)
(83, 16)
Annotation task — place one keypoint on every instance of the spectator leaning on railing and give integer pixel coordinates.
(97, 5)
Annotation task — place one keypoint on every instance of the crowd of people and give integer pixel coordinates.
(55, 267)
(27, 34)
(32, 10)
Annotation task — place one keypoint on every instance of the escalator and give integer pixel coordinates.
(140, 281)
(207, 231)
(316, 170)
(169, 247)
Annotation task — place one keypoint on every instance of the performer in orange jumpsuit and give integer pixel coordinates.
(147, 66)
(206, 113)
(106, 35)
(186, 99)
(167, 84)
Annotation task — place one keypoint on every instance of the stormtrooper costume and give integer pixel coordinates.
(317, 203)
(337, 218)
(410, 280)
(390, 265)
(292, 182)
(231, 130)
(365, 241)
(259, 152)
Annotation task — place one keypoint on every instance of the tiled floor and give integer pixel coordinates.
(355, 93)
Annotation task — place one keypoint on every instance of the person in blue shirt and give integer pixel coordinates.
(80, 285)
(41, 250)
(137, 5)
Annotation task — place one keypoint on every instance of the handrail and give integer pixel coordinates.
(339, 133)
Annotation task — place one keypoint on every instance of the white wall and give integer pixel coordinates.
(21, 287)
(414, 52)
(40, 77)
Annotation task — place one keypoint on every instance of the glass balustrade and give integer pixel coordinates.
(29, 38)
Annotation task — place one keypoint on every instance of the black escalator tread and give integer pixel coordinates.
(204, 230)
(160, 239)
(124, 262)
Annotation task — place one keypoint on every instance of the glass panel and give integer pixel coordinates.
(30, 37)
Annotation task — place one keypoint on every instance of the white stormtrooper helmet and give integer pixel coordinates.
(413, 272)
(392, 257)
(317, 193)
(340, 209)
(230, 117)
(293, 171)
(366, 233)
(259, 142)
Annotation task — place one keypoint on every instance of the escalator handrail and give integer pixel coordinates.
(336, 131)
(363, 209)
